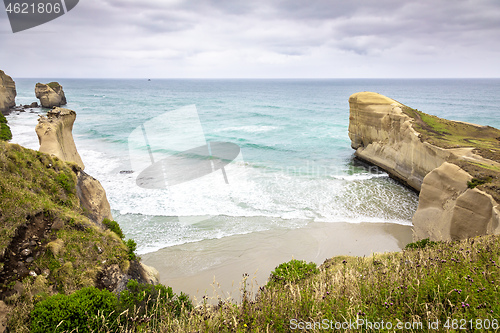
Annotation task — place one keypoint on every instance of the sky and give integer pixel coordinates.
(260, 39)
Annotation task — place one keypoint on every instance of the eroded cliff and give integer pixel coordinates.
(442, 159)
(7, 92)
(55, 135)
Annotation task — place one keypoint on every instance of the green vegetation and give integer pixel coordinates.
(452, 134)
(82, 310)
(420, 244)
(445, 282)
(131, 245)
(146, 300)
(54, 85)
(449, 282)
(38, 193)
(476, 182)
(93, 310)
(114, 227)
(292, 271)
(5, 133)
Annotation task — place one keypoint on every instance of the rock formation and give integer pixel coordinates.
(50, 94)
(55, 135)
(7, 92)
(394, 137)
(92, 197)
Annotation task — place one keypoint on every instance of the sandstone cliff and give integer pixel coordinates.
(50, 94)
(416, 148)
(55, 135)
(7, 92)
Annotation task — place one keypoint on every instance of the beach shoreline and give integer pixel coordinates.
(214, 269)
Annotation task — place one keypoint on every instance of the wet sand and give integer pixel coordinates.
(215, 267)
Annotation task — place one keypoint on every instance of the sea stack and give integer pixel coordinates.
(7, 92)
(454, 165)
(55, 135)
(50, 94)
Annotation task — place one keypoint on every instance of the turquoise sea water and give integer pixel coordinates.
(296, 163)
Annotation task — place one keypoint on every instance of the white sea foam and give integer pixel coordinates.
(248, 129)
(361, 176)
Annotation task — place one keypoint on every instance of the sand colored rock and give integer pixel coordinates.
(92, 198)
(383, 135)
(55, 135)
(50, 94)
(448, 209)
(476, 213)
(7, 92)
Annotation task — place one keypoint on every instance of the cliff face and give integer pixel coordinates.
(400, 140)
(55, 135)
(92, 197)
(7, 92)
(50, 94)
(382, 134)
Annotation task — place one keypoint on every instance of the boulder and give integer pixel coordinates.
(7, 92)
(55, 135)
(50, 94)
(92, 198)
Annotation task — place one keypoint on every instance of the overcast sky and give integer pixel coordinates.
(260, 39)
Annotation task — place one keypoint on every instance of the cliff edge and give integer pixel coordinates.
(55, 135)
(7, 92)
(454, 165)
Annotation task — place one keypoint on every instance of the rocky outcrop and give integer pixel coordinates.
(114, 279)
(449, 207)
(55, 135)
(92, 198)
(383, 135)
(50, 94)
(449, 210)
(7, 92)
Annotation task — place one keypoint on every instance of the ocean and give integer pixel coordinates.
(294, 163)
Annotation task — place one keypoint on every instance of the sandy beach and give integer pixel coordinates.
(215, 267)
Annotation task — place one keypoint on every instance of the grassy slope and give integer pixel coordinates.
(445, 282)
(37, 191)
(5, 133)
(451, 134)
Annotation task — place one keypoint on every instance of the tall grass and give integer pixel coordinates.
(450, 285)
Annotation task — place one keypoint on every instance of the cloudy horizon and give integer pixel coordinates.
(260, 39)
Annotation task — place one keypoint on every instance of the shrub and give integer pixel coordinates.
(144, 300)
(131, 245)
(79, 310)
(5, 133)
(292, 271)
(474, 182)
(66, 182)
(114, 226)
(420, 244)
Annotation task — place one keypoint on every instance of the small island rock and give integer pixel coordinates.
(50, 94)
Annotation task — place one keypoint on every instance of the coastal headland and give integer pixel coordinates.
(454, 165)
